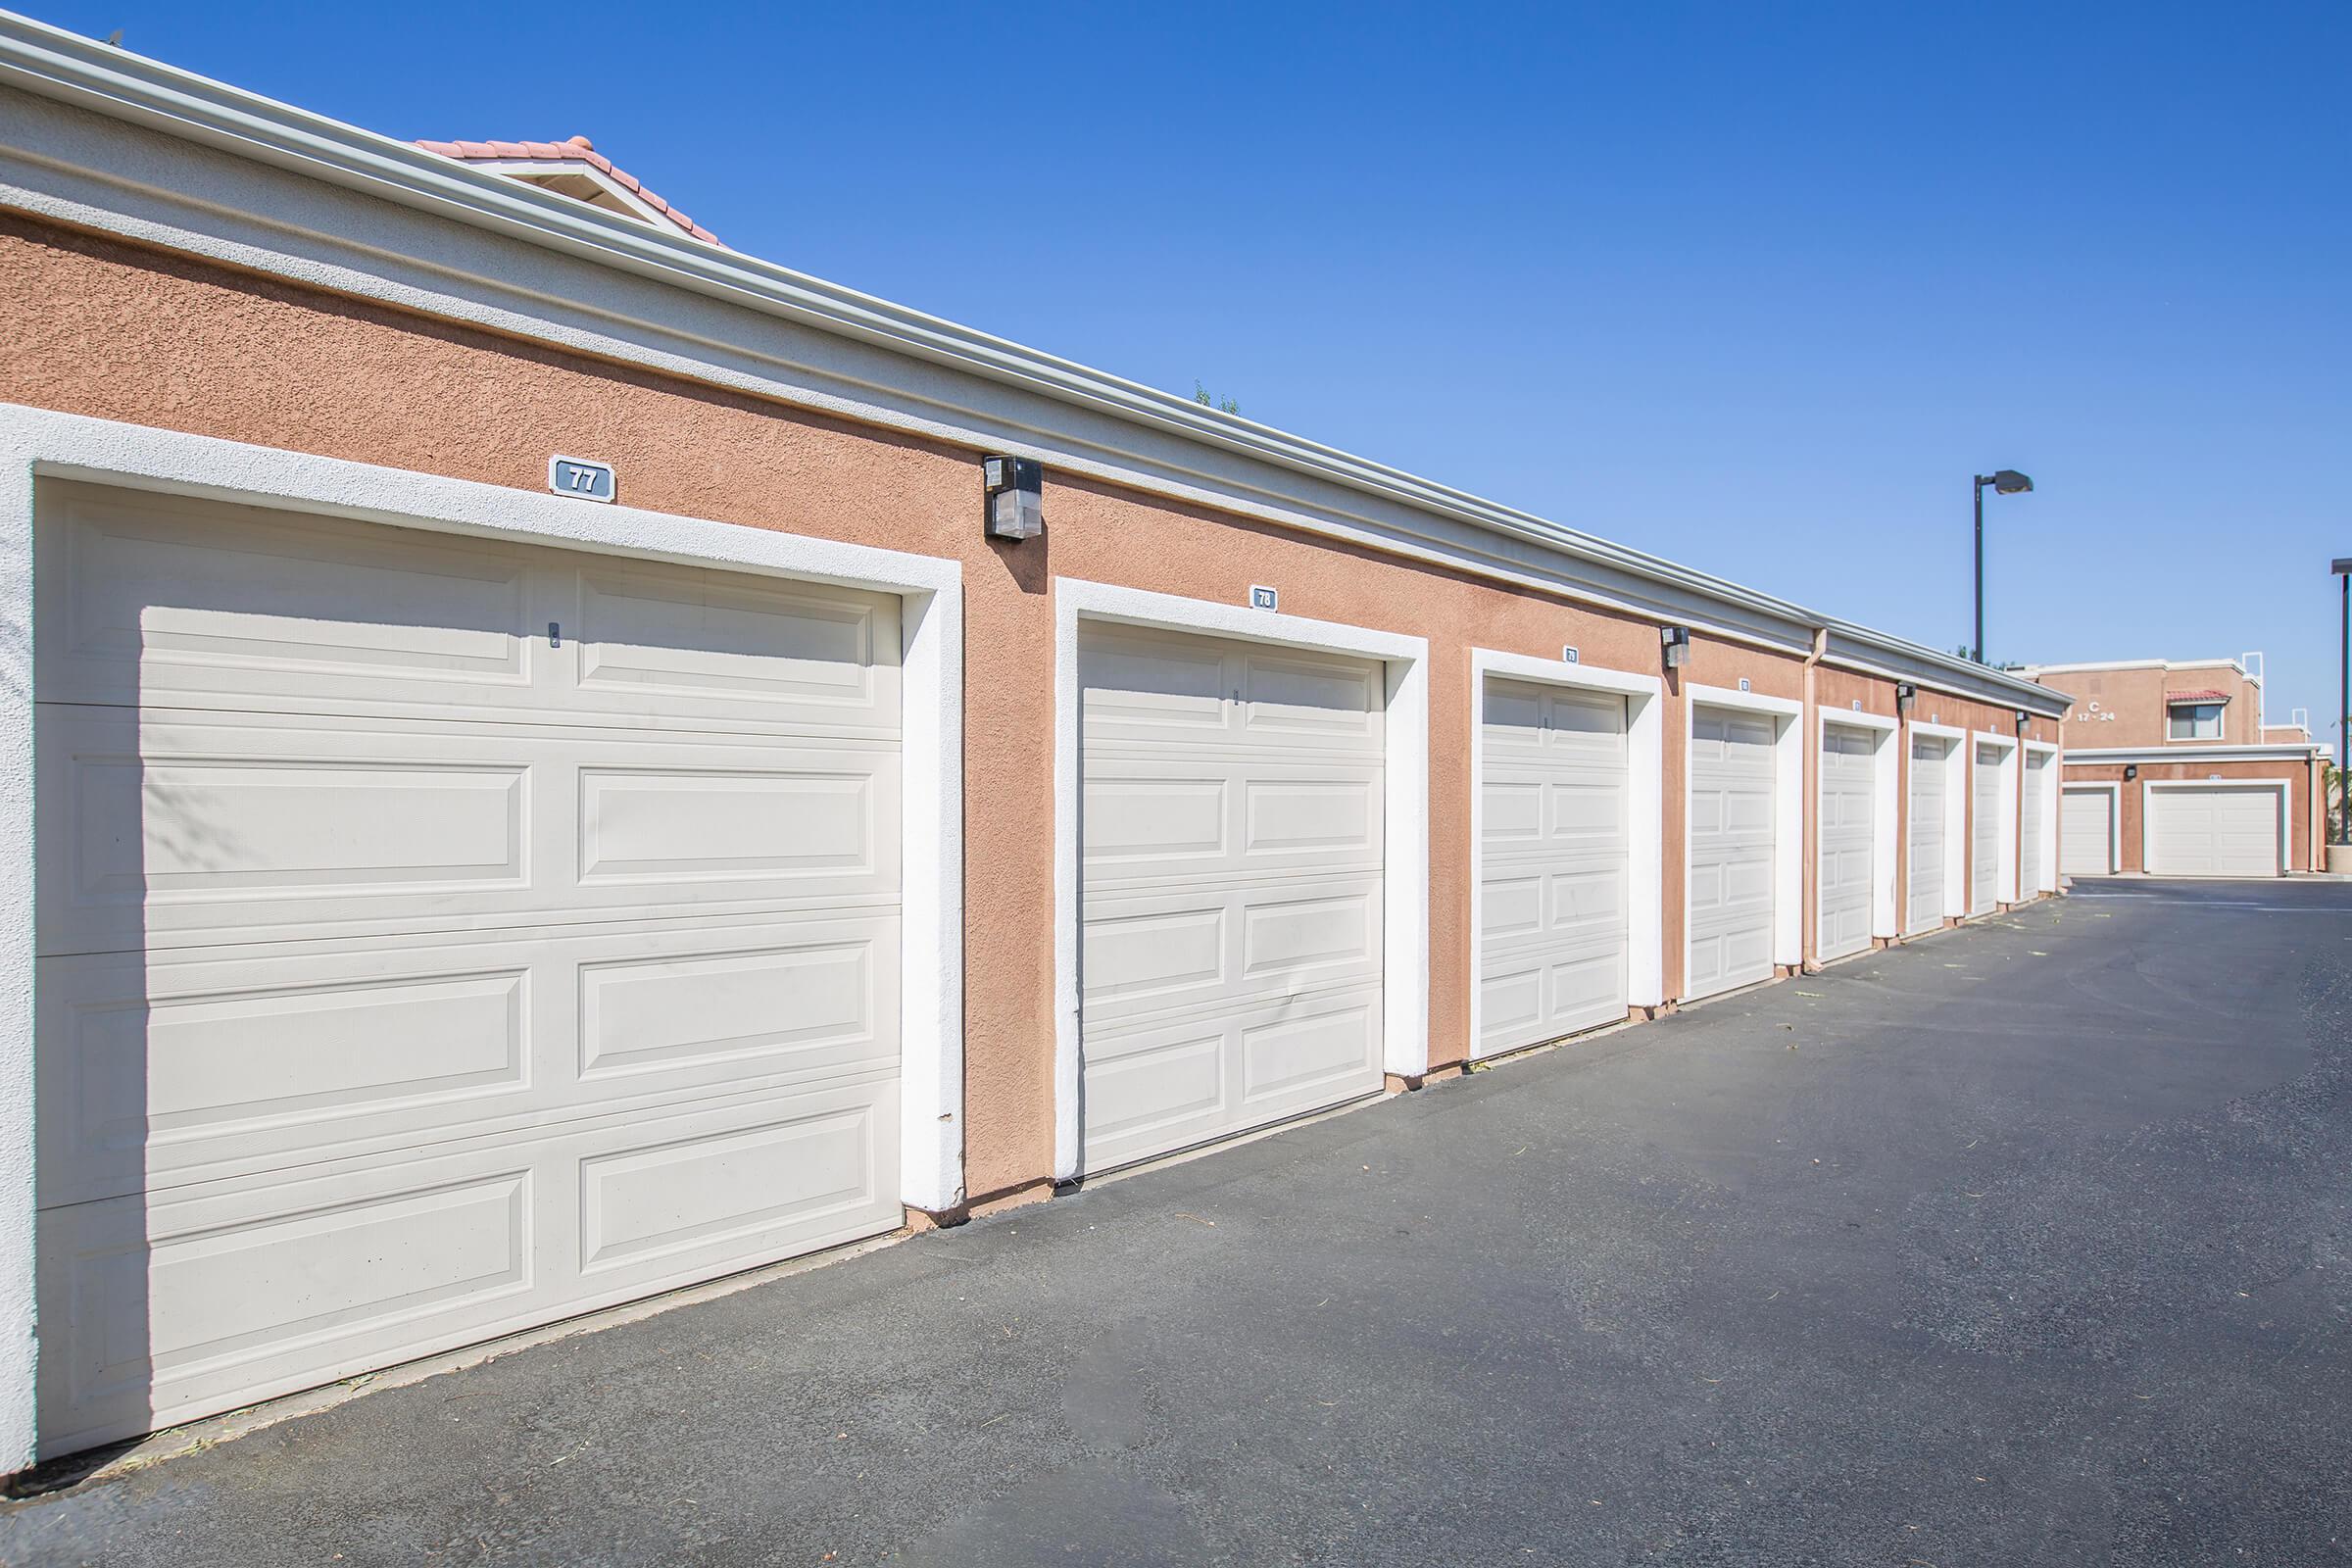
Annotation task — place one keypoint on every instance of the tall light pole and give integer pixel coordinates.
(2343, 706)
(2004, 482)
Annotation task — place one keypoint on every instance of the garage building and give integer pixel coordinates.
(486, 868)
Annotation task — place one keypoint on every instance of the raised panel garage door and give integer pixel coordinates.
(1847, 838)
(1553, 863)
(1927, 838)
(2086, 833)
(410, 975)
(2213, 830)
(1984, 829)
(2029, 829)
(1231, 832)
(1732, 883)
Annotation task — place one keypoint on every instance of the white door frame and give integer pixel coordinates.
(38, 444)
(2114, 791)
(1884, 817)
(2046, 852)
(1788, 814)
(1404, 852)
(1645, 797)
(2004, 844)
(1956, 847)
(2282, 788)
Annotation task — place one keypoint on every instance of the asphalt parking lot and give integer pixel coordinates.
(2027, 1243)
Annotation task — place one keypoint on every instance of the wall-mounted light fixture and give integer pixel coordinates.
(1676, 642)
(1015, 491)
(2130, 772)
(2025, 721)
(1905, 694)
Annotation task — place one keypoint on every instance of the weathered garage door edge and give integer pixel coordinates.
(1645, 784)
(1404, 890)
(36, 443)
(1788, 814)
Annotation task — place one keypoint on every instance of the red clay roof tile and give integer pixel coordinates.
(578, 150)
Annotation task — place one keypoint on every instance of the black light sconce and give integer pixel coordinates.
(2025, 721)
(1905, 694)
(1675, 641)
(1015, 491)
(2130, 772)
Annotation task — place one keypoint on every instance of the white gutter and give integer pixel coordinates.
(2191, 754)
(55, 64)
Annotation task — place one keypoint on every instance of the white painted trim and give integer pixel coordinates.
(2047, 851)
(1645, 798)
(2194, 752)
(1405, 881)
(434, 233)
(2114, 791)
(1885, 822)
(2004, 844)
(2282, 788)
(37, 443)
(1956, 847)
(1788, 814)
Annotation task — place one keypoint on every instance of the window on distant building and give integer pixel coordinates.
(2196, 721)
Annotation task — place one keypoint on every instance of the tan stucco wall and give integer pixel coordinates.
(2304, 838)
(2135, 699)
(100, 328)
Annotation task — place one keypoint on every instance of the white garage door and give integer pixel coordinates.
(1731, 882)
(437, 937)
(1230, 836)
(1553, 863)
(1848, 770)
(2086, 833)
(1985, 826)
(1927, 839)
(2213, 830)
(2030, 819)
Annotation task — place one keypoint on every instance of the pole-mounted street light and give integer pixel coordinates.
(2005, 482)
(2343, 706)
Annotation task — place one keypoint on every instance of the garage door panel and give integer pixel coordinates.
(1552, 863)
(1985, 779)
(2086, 832)
(195, 828)
(1928, 830)
(1231, 842)
(1847, 838)
(1732, 909)
(187, 1302)
(438, 936)
(2214, 830)
(2031, 811)
(166, 1072)
(1214, 946)
(169, 602)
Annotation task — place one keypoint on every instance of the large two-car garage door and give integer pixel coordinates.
(437, 937)
(1553, 863)
(2214, 830)
(1731, 882)
(1231, 842)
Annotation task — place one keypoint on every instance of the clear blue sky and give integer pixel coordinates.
(1754, 287)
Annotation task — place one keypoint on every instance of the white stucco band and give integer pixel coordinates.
(1405, 882)
(1644, 769)
(38, 444)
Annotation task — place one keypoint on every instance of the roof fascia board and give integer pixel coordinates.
(539, 169)
(56, 64)
(1870, 653)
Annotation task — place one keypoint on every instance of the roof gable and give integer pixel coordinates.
(574, 168)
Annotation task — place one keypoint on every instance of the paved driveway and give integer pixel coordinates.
(2030, 1244)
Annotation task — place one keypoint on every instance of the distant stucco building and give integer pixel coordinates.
(2171, 769)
